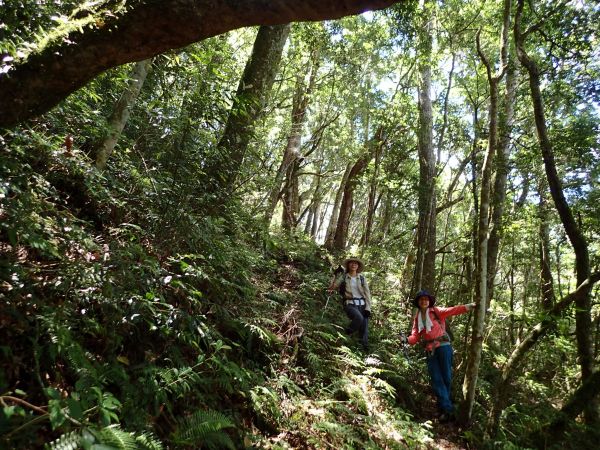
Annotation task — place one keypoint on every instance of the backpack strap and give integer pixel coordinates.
(445, 336)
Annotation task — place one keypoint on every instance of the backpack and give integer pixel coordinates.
(446, 327)
(342, 286)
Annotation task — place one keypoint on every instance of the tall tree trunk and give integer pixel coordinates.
(292, 150)
(120, 114)
(576, 237)
(372, 198)
(314, 188)
(546, 281)
(248, 106)
(316, 205)
(481, 279)
(341, 232)
(442, 134)
(386, 219)
(424, 274)
(505, 123)
(335, 212)
(291, 197)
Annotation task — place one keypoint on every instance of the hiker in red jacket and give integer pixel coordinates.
(429, 328)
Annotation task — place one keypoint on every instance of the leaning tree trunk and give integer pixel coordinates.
(549, 322)
(424, 271)
(335, 211)
(582, 262)
(586, 393)
(34, 84)
(341, 232)
(481, 279)
(120, 115)
(248, 107)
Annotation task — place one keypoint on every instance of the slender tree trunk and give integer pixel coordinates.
(292, 149)
(576, 237)
(481, 280)
(120, 115)
(512, 294)
(248, 107)
(546, 281)
(503, 152)
(442, 134)
(291, 197)
(424, 274)
(386, 219)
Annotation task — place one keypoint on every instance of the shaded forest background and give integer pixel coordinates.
(169, 229)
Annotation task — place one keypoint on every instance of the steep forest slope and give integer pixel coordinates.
(197, 333)
(131, 322)
(176, 190)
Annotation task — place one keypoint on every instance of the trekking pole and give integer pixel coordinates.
(404, 345)
(326, 303)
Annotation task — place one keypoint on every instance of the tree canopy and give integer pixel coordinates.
(180, 180)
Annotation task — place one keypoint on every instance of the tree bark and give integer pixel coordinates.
(424, 274)
(120, 115)
(292, 150)
(341, 232)
(546, 281)
(481, 279)
(335, 212)
(109, 36)
(372, 206)
(248, 107)
(582, 263)
(505, 123)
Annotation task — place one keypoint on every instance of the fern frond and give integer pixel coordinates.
(112, 437)
(204, 427)
(68, 441)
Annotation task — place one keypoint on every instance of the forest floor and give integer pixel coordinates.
(444, 436)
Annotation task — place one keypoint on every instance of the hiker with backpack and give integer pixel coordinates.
(429, 329)
(356, 298)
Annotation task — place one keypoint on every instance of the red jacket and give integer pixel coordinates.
(437, 329)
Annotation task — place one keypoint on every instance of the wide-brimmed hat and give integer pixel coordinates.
(423, 293)
(361, 265)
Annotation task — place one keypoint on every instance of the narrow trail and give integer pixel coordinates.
(446, 436)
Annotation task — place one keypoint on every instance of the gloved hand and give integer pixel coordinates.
(366, 314)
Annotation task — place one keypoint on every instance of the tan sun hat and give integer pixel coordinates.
(361, 265)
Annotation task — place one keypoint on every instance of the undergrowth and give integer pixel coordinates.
(133, 318)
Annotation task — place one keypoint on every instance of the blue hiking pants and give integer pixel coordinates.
(440, 373)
